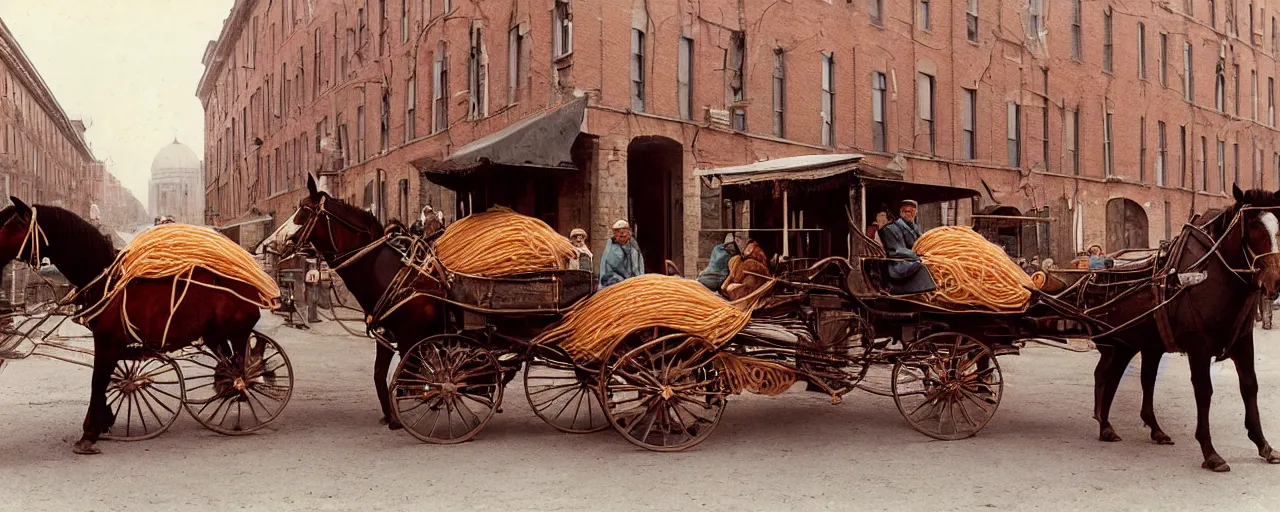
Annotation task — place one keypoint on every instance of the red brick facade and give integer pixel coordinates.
(1020, 59)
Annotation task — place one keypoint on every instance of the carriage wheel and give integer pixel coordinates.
(664, 395)
(948, 386)
(146, 398)
(233, 399)
(563, 394)
(446, 389)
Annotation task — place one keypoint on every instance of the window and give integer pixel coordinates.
(1013, 124)
(440, 89)
(1235, 89)
(1231, 18)
(828, 99)
(318, 60)
(1188, 7)
(1142, 150)
(1108, 159)
(1106, 40)
(1219, 91)
(1188, 73)
(1075, 29)
(875, 11)
(971, 20)
(925, 21)
(879, 108)
(637, 70)
(402, 200)
(1251, 25)
(360, 130)
(1271, 102)
(924, 108)
(684, 75)
(404, 21)
(361, 32)
(1204, 164)
(736, 76)
(1235, 158)
(411, 109)
(562, 29)
(1275, 36)
(1164, 59)
(968, 114)
(1168, 220)
(1253, 94)
(1213, 14)
(1142, 51)
(445, 7)
(385, 121)
(1161, 152)
(515, 51)
(478, 75)
(1182, 155)
(1222, 166)
(382, 26)
(780, 91)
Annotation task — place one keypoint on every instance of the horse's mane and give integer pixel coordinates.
(354, 214)
(82, 231)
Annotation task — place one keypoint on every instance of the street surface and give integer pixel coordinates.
(794, 452)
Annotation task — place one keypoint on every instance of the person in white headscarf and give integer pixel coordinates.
(578, 237)
(621, 259)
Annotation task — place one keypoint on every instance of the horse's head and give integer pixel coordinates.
(1258, 210)
(17, 239)
(331, 226)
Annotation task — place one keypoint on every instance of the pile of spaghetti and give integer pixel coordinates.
(176, 250)
(501, 243)
(595, 326)
(972, 272)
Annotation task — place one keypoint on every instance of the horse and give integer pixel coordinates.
(353, 242)
(82, 253)
(1236, 252)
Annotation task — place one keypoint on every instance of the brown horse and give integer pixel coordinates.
(352, 241)
(1236, 252)
(82, 254)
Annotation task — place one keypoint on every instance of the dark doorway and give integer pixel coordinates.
(1126, 225)
(655, 199)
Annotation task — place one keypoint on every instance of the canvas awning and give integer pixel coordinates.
(891, 192)
(796, 168)
(543, 141)
(282, 233)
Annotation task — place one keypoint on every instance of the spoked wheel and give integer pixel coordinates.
(146, 398)
(664, 395)
(948, 386)
(237, 399)
(562, 393)
(446, 389)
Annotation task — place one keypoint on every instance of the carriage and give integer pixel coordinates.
(149, 390)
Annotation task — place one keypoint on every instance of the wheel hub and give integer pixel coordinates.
(667, 392)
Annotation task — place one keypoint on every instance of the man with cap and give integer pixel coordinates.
(578, 237)
(621, 259)
(898, 238)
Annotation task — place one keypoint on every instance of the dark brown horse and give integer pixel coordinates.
(351, 241)
(82, 253)
(1235, 253)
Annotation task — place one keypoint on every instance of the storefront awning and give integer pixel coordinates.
(796, 168)
(541, 141)
(282, 233)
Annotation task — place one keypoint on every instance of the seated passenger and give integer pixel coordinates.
(718, 268)
(747, 272)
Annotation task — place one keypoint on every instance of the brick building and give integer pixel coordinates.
(120, 208)
(43, 155)
(1112, 121)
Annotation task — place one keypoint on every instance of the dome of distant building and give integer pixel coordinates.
(175, 157)
(176, 188)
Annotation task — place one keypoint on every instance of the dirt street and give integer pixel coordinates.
(794, 452)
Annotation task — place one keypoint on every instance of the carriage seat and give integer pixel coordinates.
(876, 271)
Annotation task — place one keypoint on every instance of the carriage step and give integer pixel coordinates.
(1005, 350)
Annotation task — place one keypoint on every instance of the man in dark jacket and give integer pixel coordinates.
(898, 238)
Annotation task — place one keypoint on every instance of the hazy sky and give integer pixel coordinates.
(129, 68)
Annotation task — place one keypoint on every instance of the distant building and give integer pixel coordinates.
(175, 188)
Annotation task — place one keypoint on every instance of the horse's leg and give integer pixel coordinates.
(1242, 356)
(381, 369)
(1203, 385)
(1106, 380)
(98, 420)
(1150, 369)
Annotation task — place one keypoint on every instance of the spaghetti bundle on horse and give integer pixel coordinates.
(501, 242)
(176, 250)
(591, 330)
(971, 271)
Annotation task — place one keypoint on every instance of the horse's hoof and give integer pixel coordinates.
(1109, 436)
(1161, 438)
(1269, 455)
(394, 425)
(85, 448)
(1216, 464)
